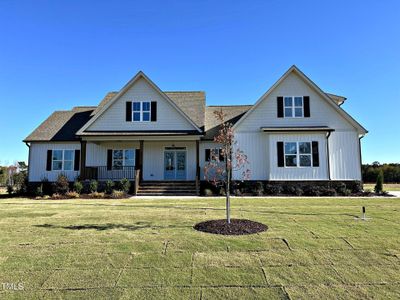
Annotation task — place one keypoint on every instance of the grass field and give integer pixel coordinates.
(386, 187)
(147, 249)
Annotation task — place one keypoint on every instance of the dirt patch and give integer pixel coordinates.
(236, 227)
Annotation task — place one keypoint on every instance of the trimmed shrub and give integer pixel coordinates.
(93, 186)
(57, 196)
(259, 189)
(312, 190)
(10, 189)
(61, 186)
(73, 194)
(115, 194)
(340, 188)
(272, 189)
(298, 191)
(39, 191)
(47, 187)
(97, 195)
(109, 187)
(124, 185)
(78, 187)
(379, 183)
(208, 192)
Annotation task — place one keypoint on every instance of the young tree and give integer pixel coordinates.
(226, 160)
(379, 183)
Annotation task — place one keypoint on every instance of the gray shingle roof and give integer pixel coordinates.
(61, 125)
(233, 114)
(192, 104)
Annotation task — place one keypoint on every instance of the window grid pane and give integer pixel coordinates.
(305, 160)
(290, 148)
(136, 106)
(146, 116)
(146, 106)
(57, 154)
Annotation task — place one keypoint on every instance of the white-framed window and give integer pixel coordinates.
(214, 154)
(141, 111)
(298, 154)
(293, 106)
(123, 158)
(62, 160)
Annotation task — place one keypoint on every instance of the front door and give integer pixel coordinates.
(174, 164)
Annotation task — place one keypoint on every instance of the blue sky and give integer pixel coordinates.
(58, 54)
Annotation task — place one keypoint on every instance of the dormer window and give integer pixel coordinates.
(141, 111)
(294, 107)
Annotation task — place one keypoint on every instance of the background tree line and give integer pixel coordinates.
(391, 172)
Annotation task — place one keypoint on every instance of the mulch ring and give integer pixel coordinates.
(236, 227)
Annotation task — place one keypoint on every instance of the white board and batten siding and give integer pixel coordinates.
(96, 153)
(168, 118)
(261, 147)
(344, 151)
(38, 161)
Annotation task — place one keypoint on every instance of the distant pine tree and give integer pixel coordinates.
(379, 183)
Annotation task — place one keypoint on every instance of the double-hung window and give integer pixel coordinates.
(141, 111)
(63, 160)
(298, 154)
(123, 158)
(215, 154)
(293, 107)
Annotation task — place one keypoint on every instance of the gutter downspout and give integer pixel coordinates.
(29, 160)
(327, 155)
(359, 150)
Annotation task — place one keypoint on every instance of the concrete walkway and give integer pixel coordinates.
(395, 193)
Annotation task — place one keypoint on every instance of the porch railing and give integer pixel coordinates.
(102, 173)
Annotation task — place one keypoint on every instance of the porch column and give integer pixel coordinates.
(141, 160)
(83, 159)
(197, 160)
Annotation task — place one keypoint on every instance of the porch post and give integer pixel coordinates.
(83, 159)
(197, 160)
(141, 160)
(197, 168)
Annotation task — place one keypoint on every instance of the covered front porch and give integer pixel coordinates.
(158, 158)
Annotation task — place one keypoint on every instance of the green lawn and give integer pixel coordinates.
(147, 249)
(386, 186)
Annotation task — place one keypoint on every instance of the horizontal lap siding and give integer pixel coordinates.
(345, 155)
(168, 118)
(38, 158)
(298, 173)
(153, 159)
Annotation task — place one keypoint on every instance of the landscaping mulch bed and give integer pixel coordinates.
(236, 227)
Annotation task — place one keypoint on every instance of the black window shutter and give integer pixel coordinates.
(306, 100)
(129, 111)
(281, 155)
(109, 159)
(315, 154)
(49, 160)
(208, 155)
(153, 111)
(221, 157)
(280, 106)
(77, 160)
(137, 159)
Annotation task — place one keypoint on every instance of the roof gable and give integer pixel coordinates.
(326, 98)
(113, 98)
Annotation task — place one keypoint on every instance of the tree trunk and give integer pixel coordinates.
(228, 197)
